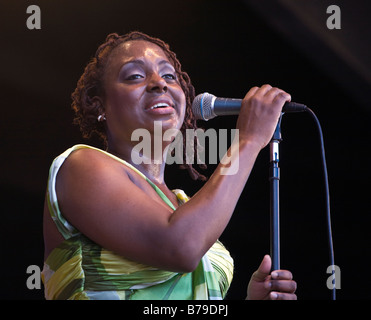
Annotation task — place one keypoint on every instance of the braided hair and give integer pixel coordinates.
(90, 85)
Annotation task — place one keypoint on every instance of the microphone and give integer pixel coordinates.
(207, 106)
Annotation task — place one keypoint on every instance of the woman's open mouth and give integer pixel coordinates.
(161, 108)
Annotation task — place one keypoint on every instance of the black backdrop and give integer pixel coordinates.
(226, 48)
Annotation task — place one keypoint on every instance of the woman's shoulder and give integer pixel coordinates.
(84, 156)
(87, 165)
(83, 151)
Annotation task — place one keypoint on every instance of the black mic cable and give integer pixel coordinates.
(328, 211)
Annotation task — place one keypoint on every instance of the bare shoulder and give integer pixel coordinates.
(86, 158)
(86, 172)
(89, 164)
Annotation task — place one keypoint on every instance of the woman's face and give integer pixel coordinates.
(141, 87)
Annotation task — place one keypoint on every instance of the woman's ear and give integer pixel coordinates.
(97, 103)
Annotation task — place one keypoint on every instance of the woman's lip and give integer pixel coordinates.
(161, 111)
(159, 102)
(160, 107)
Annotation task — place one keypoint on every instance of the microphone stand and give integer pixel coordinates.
(274, 177)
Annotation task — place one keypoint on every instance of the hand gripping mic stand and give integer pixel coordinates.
(274, 178)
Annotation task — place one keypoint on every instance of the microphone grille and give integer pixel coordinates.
(203, 106)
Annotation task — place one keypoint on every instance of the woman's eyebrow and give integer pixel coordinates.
(135, 61)
(165, 62)
(142, 63)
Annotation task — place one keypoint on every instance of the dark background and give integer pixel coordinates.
(226, 47)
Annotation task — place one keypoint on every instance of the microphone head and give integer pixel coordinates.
(203, 106)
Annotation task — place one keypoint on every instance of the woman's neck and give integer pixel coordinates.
(151, 168)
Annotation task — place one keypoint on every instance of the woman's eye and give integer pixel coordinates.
(169, 76)
(134, 77)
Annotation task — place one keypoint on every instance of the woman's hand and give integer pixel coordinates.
(277, 285)
(259, 114)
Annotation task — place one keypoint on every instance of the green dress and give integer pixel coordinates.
(80, 269)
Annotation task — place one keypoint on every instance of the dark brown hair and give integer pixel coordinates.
(90, 85)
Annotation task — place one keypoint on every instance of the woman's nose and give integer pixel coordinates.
(157, 84)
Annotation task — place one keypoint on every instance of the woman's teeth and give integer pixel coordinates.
(159, 105)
